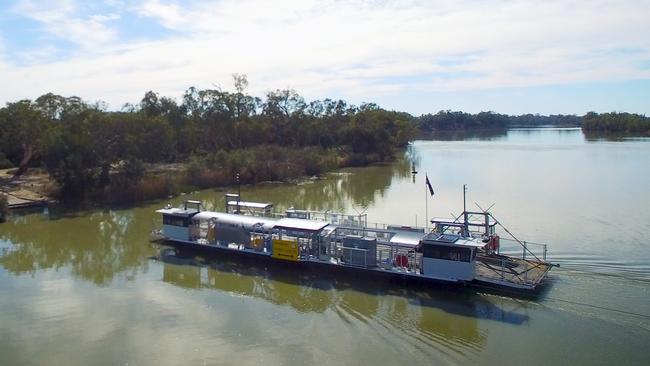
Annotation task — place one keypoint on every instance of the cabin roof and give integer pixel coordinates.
(263, 222)
(176, 211)
(452, 240)
(267, 223)
(300, 224)
(245, 204)
(406, 237)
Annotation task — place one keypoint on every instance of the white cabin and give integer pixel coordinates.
(449, 257)
(176, 221)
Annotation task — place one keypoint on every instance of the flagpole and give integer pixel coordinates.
(426, 206)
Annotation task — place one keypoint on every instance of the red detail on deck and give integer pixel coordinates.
(494, 243)
(401, 260)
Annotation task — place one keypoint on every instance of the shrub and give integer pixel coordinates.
(153, 187)
(4, 162)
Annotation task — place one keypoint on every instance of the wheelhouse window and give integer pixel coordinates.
(449, 253)
(176, 220)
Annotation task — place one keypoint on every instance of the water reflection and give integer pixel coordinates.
(96, 246)
(412, 309)
(545, 130)
(596, 136)
(465, 135)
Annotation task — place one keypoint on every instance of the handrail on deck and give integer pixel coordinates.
(527, 247)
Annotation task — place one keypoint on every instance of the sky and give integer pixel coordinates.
(514, 57)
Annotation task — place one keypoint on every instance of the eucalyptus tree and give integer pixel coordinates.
(22, 127)
(75, 152)
(281, 109)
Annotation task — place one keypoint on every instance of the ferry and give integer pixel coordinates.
(465, 250)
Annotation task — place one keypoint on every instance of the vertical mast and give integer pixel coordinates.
(426, 209)
(465, 211)
(238, 193)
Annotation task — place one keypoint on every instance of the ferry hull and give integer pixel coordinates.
(347, 272)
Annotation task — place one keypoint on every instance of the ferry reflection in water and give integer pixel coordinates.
(411, 309)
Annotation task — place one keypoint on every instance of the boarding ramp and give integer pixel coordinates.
(510, 271)
(519, 264)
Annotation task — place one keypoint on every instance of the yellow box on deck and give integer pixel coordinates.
(285, 249)
(257, 244)
(210, 236)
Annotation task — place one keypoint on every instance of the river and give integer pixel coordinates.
(87, 287)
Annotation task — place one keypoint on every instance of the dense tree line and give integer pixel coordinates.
(536, 120)
(448, 120)
(617, 123)
(86, 148)
(456, 120)
(216, 134)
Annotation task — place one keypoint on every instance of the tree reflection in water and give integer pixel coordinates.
(95, 246)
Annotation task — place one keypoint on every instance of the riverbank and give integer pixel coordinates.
(148, 182)
(244, 166)
(32, 188)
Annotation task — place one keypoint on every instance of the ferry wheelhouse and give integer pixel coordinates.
(466, 252)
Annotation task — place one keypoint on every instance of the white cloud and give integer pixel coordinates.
(61, 20)
(355, 50)
(44, 11)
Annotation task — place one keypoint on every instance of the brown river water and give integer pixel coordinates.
(88, 288)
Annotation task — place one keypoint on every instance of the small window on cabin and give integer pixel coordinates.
(175, 221)
(447, 253)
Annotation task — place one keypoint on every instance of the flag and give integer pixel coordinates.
(429, 185)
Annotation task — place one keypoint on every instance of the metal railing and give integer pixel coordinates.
(525, 249)
(387, 252)
(348, 256)
(505, 270)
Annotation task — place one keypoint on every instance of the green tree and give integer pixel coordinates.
(76, 151)
(23, 127)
